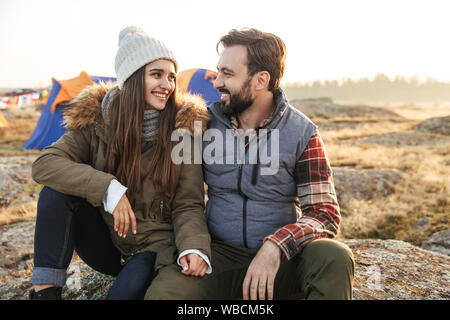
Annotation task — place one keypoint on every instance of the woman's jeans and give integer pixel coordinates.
(65, 223)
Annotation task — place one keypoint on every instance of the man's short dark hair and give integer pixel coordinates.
(265, 52)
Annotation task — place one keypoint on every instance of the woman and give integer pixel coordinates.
(111, 191)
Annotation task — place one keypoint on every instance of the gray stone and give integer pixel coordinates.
(364, 183)
(326, 109)
(420, 224)
(439, 125)
(16, 183)
(439, 242)
(396, 270)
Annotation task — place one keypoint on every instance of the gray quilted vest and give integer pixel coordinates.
(251, 192)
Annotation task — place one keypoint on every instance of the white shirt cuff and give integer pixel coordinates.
(204, 257)
(115, 191)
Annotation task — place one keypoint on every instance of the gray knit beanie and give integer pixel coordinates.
(136, 49)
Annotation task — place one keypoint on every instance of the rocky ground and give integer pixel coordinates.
(351, 183)
(396, 270)
(16, 184)
(385, 269)
(440, 125)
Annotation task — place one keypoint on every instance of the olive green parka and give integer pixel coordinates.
(74, 165)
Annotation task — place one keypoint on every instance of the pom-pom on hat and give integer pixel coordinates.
(137, 49)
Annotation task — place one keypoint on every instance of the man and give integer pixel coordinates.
(263, 246)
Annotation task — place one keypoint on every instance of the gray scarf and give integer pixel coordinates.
(151, 117)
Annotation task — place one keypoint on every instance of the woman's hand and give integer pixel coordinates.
(123, 215)
(193, 265)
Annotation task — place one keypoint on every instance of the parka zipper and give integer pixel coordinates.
(161, 207)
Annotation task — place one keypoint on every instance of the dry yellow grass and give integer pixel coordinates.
(18, 213)
(413, 198)
(364, 130)
(407, 158)
(424, 191)
(420, 112)
(21, 124)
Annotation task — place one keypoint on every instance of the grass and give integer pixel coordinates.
(18, 213)
(420, 112)
(363, 130)
(422, 194)
(403, 227)
(21, 123)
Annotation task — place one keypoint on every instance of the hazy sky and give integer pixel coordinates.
(40, 39)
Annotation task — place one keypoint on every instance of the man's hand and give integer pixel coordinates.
(261, 273)
(123, 215)
(193, 265)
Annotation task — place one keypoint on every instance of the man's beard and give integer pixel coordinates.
(238, 101)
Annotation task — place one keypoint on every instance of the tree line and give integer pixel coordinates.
(380, 89)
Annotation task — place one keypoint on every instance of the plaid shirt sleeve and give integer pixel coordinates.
(320, 209)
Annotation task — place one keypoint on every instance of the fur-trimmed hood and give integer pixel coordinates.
(85, 108)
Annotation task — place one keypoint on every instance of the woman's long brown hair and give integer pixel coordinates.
(124, 132)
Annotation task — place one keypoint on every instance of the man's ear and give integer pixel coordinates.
(262, 80)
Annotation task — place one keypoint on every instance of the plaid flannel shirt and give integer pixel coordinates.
(320, 210)
(317, 196)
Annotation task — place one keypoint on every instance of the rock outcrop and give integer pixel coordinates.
(408, 138)
(326, 109)
(396, 270)
(439, 242)
(16, 184)
(385, 269)
(364, 183)
(440, 125)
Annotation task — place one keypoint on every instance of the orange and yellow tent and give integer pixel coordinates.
(3, 122)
